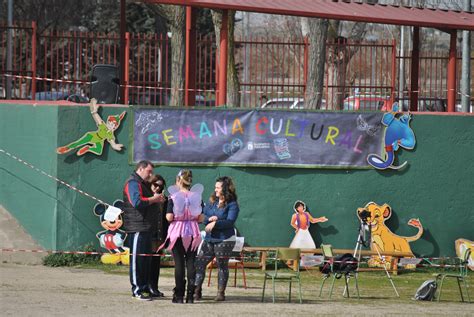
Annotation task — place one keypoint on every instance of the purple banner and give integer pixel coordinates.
(256, 137)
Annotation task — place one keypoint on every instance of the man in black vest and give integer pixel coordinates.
(138, 216)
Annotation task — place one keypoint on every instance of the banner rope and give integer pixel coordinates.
(243, 258)
(78, 82)
(52, 177)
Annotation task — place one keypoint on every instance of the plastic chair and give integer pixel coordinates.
(282, 256)
(329, 259)
(462, 276)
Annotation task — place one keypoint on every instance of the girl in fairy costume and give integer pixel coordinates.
(300, 221)
(184, 211)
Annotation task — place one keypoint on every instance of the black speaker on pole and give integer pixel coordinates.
(105, 83)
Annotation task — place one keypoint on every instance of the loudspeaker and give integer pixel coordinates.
(105, 83)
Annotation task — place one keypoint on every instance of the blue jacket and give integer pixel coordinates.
(227, 216)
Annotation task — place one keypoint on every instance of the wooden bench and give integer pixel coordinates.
(395, 256)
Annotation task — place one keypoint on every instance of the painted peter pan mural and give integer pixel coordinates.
(93, 141)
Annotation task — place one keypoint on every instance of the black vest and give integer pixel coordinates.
(143, 219)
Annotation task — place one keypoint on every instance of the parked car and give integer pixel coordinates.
(459, 108)
(155, 98)
(367, 102)
(162, 98)
(430, 104)
(60, 95)
(284, 103)
(202, 101)
(288, 103)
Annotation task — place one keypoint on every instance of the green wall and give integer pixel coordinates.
(30, 133)
(436, 187)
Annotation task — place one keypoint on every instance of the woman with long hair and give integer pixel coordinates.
(220, 215)
(158, 234)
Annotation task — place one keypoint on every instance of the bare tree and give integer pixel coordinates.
(287, 63)
(339, 57)
(63, 14)
(317, 30)
(176, 20)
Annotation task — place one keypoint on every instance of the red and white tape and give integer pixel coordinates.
(429, 264)
(52, 177)
(261, 92)
(93, 253)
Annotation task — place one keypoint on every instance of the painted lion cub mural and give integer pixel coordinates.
(384, 240)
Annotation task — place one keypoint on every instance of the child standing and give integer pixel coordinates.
(184, 211)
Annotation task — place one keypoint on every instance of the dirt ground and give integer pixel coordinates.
(28, 290)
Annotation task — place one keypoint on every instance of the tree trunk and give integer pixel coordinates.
(317, 32)
(339, 56)
(233, 85)
(177, 22)
(338, 59)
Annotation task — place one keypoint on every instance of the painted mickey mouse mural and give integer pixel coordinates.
(112, 238)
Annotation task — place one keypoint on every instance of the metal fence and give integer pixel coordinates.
(271, 69)
(272, 72)
(18, 79)
(65, 60)
(432, 82)
(148, 76)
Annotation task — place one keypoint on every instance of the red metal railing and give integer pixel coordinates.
(432, 81)
(148, 78)
(270, 69)
(206, 70)
(357, 75)
(67, 58)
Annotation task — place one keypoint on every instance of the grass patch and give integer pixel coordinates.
(372, 285)
(65, 259)
(376, 285)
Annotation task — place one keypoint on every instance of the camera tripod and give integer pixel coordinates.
(364, 239)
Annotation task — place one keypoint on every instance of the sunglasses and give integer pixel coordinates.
(181, 172)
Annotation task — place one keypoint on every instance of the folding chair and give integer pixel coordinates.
(234, 263)
(461, 276)
(329, 259)
(282, 256)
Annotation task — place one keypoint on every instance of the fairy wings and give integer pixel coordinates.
(190, 201)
